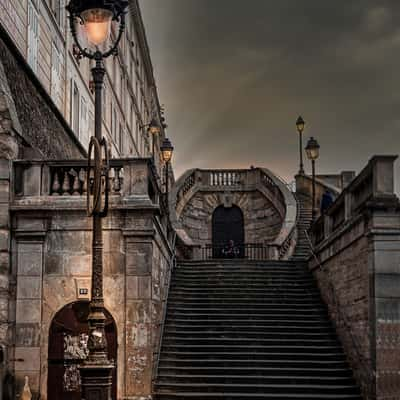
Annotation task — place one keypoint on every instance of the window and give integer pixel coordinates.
(56, 74)
(114, 124)
(57, 7)
(33, 36)
(84, 120)
(75, 108)
(121, 140)
(91, 123)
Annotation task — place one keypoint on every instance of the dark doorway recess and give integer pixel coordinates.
(228, 229)
(68, 349)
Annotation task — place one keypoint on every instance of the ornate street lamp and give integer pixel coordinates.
(95, 17)
(312, 150)
(300, 128)
(167, 151)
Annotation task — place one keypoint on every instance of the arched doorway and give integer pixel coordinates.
(68, 348)
(228, 228)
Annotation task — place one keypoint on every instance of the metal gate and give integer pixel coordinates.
(68, 348)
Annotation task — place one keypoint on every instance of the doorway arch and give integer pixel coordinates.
(227, 225)
(67, 350)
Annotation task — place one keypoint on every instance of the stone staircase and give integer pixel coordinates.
(240, 330)
(302, 250)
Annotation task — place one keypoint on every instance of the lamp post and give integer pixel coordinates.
(312, 150)
(166, 151)
(300, 128)
(95, 18)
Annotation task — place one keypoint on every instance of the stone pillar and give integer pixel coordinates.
(138, 363)
(28, 317)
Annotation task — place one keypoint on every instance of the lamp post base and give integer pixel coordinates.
(96, 381)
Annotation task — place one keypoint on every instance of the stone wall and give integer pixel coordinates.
(262, 222)
(51, 268)
(344, 286)
(357, 248)
(52, 261)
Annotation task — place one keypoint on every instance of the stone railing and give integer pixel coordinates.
(260, 179)
(356, 244)
(55, 182)
(374, 183)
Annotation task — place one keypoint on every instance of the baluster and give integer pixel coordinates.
(117, 180)
(66, 186)
(82, 179)
(76, 185)
(111, 179)
(56, 185)
(91, 180)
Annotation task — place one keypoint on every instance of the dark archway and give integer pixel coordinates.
(67, 350)
(228, 227)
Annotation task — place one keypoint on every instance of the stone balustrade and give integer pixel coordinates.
(375, 183)
(52, 182)
(216, 187)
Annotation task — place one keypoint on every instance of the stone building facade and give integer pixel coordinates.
(45, 234)
(50, 272)
(39, 30)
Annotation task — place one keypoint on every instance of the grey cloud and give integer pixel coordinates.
(235, 75)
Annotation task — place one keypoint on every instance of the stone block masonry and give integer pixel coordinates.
(262, 221)
(357, 245)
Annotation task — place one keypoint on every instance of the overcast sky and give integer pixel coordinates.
(234, 76)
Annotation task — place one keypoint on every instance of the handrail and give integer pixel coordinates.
(356, 344)
(164, 313)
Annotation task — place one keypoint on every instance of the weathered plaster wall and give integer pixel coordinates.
(52, 260)
(262, 221)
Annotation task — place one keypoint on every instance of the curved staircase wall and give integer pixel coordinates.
(269, 208)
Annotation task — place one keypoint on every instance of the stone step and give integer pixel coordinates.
(264, 379)
(234, 322)
(217, 349)
(239, 304)
(252, 396)
(259, 354)
(259, 388)
(239, 312)
(257, 370)
(253, 363)
(188, 330)
(226, 341)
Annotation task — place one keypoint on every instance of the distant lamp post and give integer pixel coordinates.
(312, 150)
(95, 18)
(167, 151)
(300, 128)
